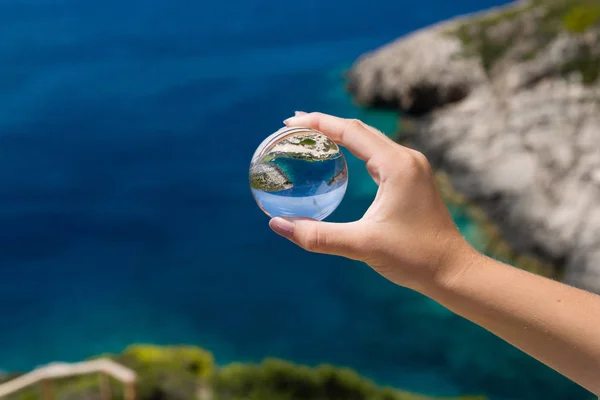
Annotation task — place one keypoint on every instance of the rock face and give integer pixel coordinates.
(415, 74)
(269, 178)
(305, 146)
(508, 103)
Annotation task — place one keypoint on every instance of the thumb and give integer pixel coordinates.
(321, 237)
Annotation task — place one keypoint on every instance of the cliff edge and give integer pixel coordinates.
(508, 103)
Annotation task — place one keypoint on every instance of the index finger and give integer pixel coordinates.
(350, 133)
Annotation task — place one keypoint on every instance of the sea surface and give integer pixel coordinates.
(313, 194)
(126, 131)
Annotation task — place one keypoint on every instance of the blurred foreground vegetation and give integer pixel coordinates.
(185, 373)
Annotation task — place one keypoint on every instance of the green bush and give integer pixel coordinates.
(77, 388)
(182, 372)
(281, 380)
(171, 372)
(587, 64)
(26, 394)
(582, 17)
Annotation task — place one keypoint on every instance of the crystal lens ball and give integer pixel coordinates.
(298, 172)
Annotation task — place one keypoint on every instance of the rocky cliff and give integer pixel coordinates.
(508, 103)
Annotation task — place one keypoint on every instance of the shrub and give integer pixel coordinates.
(171, 372)
(280, 380)
(582, 17)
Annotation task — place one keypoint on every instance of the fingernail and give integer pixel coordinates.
(289, 121)
(297, 114)
(282, 227)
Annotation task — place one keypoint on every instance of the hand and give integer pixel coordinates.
(407, 234)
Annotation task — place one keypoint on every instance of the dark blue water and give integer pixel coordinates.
(126, 129)
(313, 194)
(309, 176)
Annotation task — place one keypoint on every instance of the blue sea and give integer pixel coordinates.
(313, 193)
(126, 131)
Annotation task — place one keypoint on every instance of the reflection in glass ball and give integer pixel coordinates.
(298, 172)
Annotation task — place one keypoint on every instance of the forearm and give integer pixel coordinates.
(408, 236)
(555, 323)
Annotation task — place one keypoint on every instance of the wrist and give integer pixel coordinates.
(453, 268)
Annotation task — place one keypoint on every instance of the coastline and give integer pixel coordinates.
(506, 103)
(489, 237)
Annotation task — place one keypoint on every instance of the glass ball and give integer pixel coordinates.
(298, 172)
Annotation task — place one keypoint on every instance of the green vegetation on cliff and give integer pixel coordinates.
(189, 373)
(582, 17)
(478, 42)
(533, 26)
(588, 64)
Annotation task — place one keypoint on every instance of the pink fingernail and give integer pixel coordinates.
(297, 114)
(282, 227)
(289, 120)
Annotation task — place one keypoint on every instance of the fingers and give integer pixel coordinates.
(362, 141)
(321, 237)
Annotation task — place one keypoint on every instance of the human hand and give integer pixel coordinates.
(407, 234)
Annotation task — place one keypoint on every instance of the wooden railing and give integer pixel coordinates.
(44, 376)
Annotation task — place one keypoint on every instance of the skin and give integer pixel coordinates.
(409, 237)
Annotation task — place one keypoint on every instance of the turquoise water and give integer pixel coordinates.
(126, 128)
